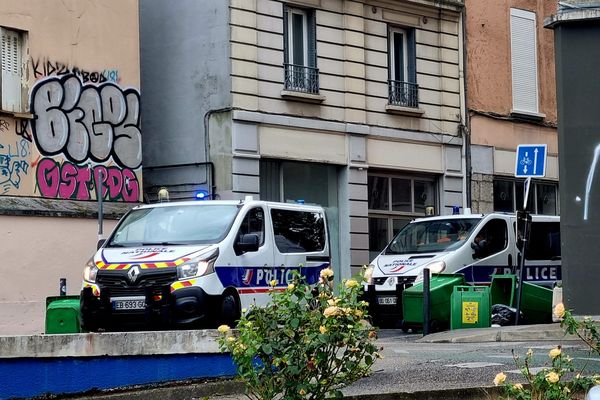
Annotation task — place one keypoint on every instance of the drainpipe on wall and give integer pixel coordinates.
(207, 115)
(465, 126)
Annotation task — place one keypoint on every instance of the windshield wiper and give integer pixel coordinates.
(115, 245)
(161, 244)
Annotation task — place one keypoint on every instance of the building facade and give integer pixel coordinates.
(511, 99)
(69, 125)
(354, 105)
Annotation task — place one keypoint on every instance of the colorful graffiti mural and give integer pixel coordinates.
(84, 135)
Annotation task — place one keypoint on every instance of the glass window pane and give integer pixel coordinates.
(503, 196)
(309, 182)
(398, 67)
(298, 231)
(546, 199)
(297, 39)
(398, 224)
(378, 193)
(378, 236)
(424, 196)
(401, 195)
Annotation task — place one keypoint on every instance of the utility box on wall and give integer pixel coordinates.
(576, 33)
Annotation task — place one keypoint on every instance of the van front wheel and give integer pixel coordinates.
(230, 309)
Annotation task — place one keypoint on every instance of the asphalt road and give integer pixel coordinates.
(409, 365)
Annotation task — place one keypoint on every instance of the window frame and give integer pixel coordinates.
(19, 104)
(518, 58)
(533, 194)
(292, 35)
(390, 215)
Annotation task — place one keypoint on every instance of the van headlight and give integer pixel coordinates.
(202, 265)
(368, 274)
(90, 271)
(435, 267)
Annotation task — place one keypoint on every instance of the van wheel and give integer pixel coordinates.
(230, 309)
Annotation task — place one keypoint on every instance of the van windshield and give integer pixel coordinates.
(433, 236)
(174, 225)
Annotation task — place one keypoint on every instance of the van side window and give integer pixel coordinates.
(298, 231)
(494, 236)
(254, 222)
(544, 241)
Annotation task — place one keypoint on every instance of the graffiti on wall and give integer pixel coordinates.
(87, 124)
(44, 67)
(14, 163)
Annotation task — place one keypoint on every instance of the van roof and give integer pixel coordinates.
(534, 217)
(199, 203)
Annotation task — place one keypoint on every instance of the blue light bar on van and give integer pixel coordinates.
(201, 195)
(300, 201)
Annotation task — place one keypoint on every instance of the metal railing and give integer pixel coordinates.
(300, 78)
(404, 94)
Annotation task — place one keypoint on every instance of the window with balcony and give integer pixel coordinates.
(510, 193)
(300, 51)
(393, 202)
(11, 54)
(403, 90)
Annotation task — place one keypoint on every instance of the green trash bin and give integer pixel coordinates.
(62, 314)
(503, 289)
(440, 290)
(536, 304)
(470, 307)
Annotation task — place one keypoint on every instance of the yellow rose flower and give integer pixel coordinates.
(529, 352)
(559, 310)
(326, 273)
(350, 283)
(223, 328)
(322, 329)
(273, 282)
(333, 302)
(291, 286)
(552, 377)
(372, 334)
(302, 392)
(230, 339)
(500, 378)
(554, 353)
(518, 386)
(331, 311)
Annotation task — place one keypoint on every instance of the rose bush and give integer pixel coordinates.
(559, 380)
(307, 343)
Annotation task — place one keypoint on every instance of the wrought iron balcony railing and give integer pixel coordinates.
(300, 78)
(403, 94)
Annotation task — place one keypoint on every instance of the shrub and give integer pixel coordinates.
(307, 343)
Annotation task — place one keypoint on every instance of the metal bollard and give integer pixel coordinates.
(426, 300)
(63, 286)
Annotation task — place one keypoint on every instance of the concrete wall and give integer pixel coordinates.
(79, 116)
(85, 53)
(185, 75)
(577, 60)
(35, 253)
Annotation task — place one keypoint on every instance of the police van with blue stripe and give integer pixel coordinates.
(199, 263)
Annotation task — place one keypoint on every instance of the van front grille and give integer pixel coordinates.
(118, 282)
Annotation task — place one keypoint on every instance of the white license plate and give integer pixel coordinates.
(128, 303)
(386, 301)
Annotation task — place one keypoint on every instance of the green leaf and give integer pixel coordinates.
(295, 323)
(267, 349)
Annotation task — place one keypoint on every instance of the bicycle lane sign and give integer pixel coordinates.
(531, 160)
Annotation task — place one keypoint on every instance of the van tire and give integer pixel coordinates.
(230, 308)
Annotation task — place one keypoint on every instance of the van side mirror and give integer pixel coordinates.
(247, 243)
(100, 243)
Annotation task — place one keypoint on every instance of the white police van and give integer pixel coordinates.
(200, 262)
(475, 245)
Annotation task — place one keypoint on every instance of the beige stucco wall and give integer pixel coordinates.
(97, 42)
(35, 252)
(489, 57)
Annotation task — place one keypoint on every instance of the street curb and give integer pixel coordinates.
(520, 333)
(230, 389)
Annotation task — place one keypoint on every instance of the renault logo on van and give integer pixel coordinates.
(133, 273)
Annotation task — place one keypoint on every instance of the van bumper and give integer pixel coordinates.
(189, 306)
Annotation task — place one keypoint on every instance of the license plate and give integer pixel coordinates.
(128, 303)
(386, 301)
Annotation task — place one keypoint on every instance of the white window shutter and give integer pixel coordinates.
(524, 61)
(11, 70)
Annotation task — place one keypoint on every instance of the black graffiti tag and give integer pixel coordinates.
(87, 121)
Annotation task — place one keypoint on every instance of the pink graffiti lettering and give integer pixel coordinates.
(71, 181)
